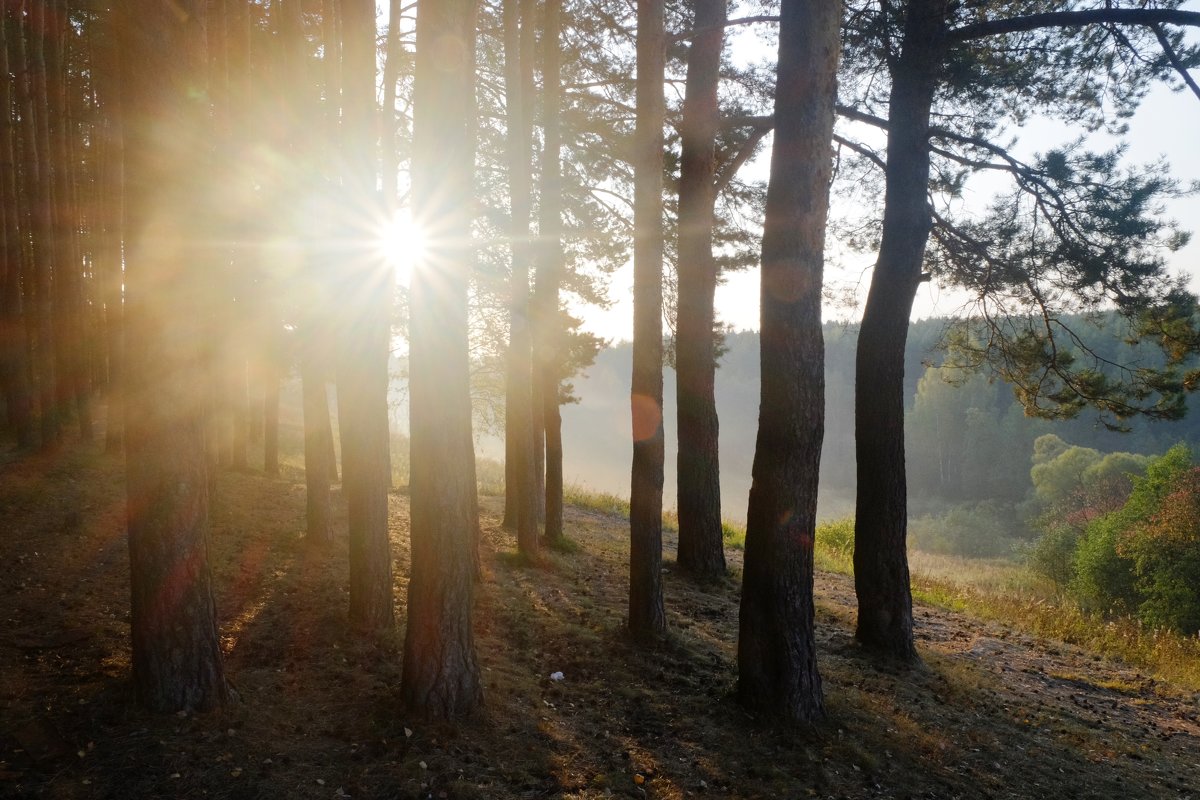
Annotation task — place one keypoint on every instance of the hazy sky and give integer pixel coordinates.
(1167, 125)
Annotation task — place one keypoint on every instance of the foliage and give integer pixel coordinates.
(835, 545)
(1144, 558)
(979, 530)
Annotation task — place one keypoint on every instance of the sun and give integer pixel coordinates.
(402, 242)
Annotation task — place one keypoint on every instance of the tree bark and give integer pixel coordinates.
(647, 617)
(881, 578)
(549, 273)
(441, 675)
(519, 496)
(176, 651)
(363, 375)
(701, 547)
(777, 667)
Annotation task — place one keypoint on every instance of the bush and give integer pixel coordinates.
(1144, 558)
(1053, 555)
(980, 530)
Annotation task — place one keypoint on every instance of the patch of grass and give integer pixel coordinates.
(1170, 656)
(733, 534)
(834, 549)
(563, 544)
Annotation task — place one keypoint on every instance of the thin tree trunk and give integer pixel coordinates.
(14, 356)
(701, 547)
(176, 650)
(44, 255)
(391, 76)
(519, 495)
(316, 457)
(550, 271)
(363, 377)
(271, 424)
(441, 675)
(777, 658)
(881, 579)
(647, 617)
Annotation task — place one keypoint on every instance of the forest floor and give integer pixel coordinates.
(991, 713)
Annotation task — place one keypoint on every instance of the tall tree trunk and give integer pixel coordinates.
(701, 547)
(551, 265)
(394, 55)
(13, 354)
(881, 579)
(112, 206)
(271, 421)
(441, 675)
(44, 254)
(647, 617)
(520, 510)
(319, 519)
(176, 651)
(777, 658)
(363, 378)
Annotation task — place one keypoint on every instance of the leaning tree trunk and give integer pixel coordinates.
(550, 271)
(176, 651)
(701, 548)
(647, 617)
(363, 376)
(441, 675)
(777, 658)
(520, 497)
(881, 579)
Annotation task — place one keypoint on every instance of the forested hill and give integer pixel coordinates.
(965, 443)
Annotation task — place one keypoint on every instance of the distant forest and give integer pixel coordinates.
(968, 439)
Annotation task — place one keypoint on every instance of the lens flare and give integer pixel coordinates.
(402, 242)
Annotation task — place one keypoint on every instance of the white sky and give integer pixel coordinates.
(1167, 125)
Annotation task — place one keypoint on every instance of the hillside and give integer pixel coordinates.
(993, 713)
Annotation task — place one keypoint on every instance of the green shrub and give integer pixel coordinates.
(1053, 555)
(980, 530)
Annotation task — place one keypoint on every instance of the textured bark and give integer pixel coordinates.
(701, 547)
(520, 511)
(363, 375)
(777, 666)
(441, 675)
(881, 579)
(550, 356)
(176, 651)
(647, 617)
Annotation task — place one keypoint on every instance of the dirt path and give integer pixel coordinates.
(993, 713)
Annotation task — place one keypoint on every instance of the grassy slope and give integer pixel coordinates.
(993, 713)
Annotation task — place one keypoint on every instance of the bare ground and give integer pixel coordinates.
(992, 713)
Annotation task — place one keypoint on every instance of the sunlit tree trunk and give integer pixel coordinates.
(363, 371)
(520, 511)
(881, 579)
(176, 651)
(777, 658)
(647, 617)
(551, 264)
(441, 675)
(701, 548)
